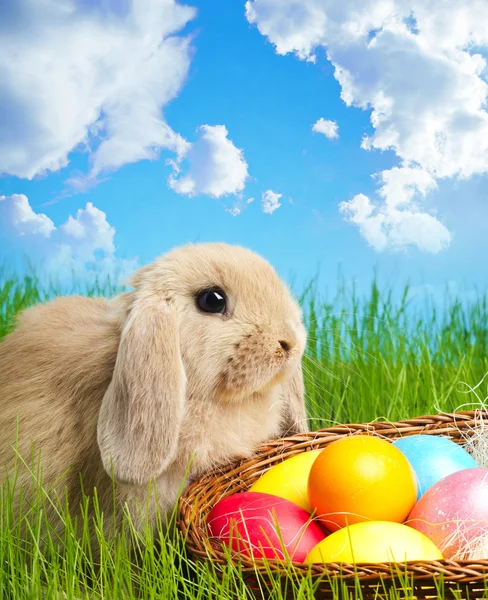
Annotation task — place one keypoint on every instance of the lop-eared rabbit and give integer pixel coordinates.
(197, 365)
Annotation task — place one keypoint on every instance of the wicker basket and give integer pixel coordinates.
(463, 579)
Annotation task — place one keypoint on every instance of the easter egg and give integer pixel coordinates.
(374, 542)
(288, 479)
(361, 478)
(258, 525)
(453, 513)
(433, 457)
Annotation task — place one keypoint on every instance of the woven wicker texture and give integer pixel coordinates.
(463, 579)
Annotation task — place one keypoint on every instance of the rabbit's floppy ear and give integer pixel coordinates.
(294, 415)
(142, 409)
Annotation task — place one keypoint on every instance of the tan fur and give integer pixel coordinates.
(139, 385)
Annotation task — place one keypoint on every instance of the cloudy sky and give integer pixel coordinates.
(320, 133)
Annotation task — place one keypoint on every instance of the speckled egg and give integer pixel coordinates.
(453, 513)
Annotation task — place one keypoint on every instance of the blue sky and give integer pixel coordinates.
(92, 75)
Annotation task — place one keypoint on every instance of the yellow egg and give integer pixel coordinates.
(374, 542)
(288, 479)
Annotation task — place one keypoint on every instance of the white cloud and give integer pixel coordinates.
(395, 229)
(215, 166)
(95, 76)
(88, 232)
(270, 201)
(16, 212)
(329, 128)
(84, 244)
(238, 206)
(235, 210)
(417, 65)
(88, 75)
(399, 185)
(398, 221)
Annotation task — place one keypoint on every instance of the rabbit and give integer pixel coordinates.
(195, 366)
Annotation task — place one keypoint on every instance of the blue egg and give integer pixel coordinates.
(433, 457)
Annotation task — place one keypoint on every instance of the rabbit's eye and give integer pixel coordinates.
(212, 301)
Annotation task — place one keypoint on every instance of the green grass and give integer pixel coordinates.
(367, 358)
(371, 358)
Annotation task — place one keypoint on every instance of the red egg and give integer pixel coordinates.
(248, 521)
(453, 513)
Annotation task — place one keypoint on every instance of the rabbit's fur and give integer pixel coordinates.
(140, 384)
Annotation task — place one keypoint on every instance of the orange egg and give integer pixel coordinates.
(361, 478)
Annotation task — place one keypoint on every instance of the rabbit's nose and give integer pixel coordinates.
(289, 337)
(287, 346)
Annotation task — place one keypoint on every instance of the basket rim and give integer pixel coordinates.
(191, 523)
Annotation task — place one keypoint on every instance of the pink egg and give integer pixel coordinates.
(254, 515)
(453, 513)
